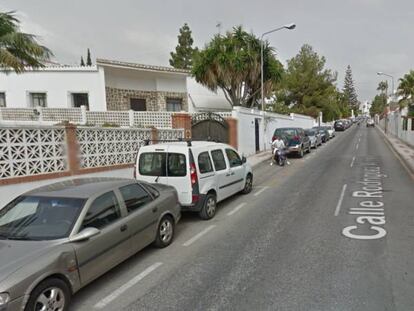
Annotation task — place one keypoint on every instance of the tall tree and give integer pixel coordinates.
(19, 50)
(308, 87)
(349, 90)
(383, 87)
(182, 58)
(88, 59)
(378, 104)
(406, 89)
(232, 63)
(82, 62)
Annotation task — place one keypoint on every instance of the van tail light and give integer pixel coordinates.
(193, 174)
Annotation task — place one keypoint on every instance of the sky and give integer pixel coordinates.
(368, 35)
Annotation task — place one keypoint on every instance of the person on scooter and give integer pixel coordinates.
(278, 145)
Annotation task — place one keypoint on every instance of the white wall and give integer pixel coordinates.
(131, 79)
(268, 122)
(58, 83)
(394, 127)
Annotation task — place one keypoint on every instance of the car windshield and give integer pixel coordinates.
(39, 218)
(285, 133)
(310, 132)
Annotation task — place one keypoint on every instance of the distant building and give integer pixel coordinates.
(110, 85)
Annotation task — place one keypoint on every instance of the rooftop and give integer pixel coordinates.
(128, 65)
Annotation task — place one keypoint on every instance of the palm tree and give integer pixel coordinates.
(19, 50)
(406, 89)
(382, 87)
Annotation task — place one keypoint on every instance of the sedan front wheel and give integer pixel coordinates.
(51, 294)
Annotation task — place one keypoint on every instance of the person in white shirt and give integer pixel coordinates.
(279, 144)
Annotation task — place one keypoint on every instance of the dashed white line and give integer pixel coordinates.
(352, 163)
(236, 209)
(199, 235)
(260, 191)
(104, 302)
(357, 146)
(341, 198)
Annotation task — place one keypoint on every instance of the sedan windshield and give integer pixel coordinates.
(39, 218)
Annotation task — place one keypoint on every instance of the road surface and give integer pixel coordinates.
(332, 231)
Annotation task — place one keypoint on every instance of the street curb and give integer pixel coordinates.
(400, 156)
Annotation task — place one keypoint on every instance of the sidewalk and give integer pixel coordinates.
(404, 151)
(258, 158)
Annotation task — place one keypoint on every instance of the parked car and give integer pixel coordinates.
(315, 137)
(203, 173)
(56, 239)
(370, 123)
(331, 131)
(297, 141)
(339, 125)
(323, 132)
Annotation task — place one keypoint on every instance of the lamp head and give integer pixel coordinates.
(290, 26)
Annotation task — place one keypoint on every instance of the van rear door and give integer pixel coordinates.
(178, 175)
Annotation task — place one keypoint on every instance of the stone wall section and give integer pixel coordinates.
(119, 99)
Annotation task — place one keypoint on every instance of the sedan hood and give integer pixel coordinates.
(15, 254)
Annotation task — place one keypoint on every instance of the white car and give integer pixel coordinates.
(202, 172)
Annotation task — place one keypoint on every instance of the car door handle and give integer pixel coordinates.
(155, 209)
(124, 228)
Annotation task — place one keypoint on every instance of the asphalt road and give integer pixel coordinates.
(309, 237)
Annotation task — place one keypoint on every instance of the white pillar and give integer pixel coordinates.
(131, 118)
(84, 117)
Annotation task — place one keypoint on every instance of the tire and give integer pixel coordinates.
(248, 185)
(54, 291)
(301, 153)
(165, 232)
(209, 208)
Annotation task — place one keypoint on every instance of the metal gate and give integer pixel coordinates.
(209, 126)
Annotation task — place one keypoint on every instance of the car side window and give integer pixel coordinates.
(204, 163)
(134, 197)
(234, 158)
(102, 212)
(218, 160)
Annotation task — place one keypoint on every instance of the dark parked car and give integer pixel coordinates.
(323, 132)
(56, 239)
(297, 141)
(339, 126)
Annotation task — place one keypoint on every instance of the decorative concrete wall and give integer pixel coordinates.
(119, 99)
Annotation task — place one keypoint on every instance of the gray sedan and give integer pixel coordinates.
(56, 239)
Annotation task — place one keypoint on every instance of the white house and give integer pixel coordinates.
(110, 85)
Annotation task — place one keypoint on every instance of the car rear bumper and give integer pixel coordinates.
(295, 148)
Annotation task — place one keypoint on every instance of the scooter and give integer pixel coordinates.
(279, 157)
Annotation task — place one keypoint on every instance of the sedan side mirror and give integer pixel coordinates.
(85, 234)
(244, 160)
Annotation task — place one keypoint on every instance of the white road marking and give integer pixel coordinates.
(104, 302)
(237, 208)
(359, 139)
(341, 198)
(357, 146)
(352, 163)
(260, 191)
(199, 235)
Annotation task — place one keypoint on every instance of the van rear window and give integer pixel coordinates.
(156, 164)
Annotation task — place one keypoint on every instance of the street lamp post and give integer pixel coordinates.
(288, 26)
(380, 73)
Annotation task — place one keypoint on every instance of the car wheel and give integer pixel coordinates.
(209, 208)
(51, 294)
(301, 153)
(248, 185)
(165, 232)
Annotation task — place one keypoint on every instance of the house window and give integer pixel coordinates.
(80, 99)
(38, 99)
(138, 104)
(2, 99)
(174, 104)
